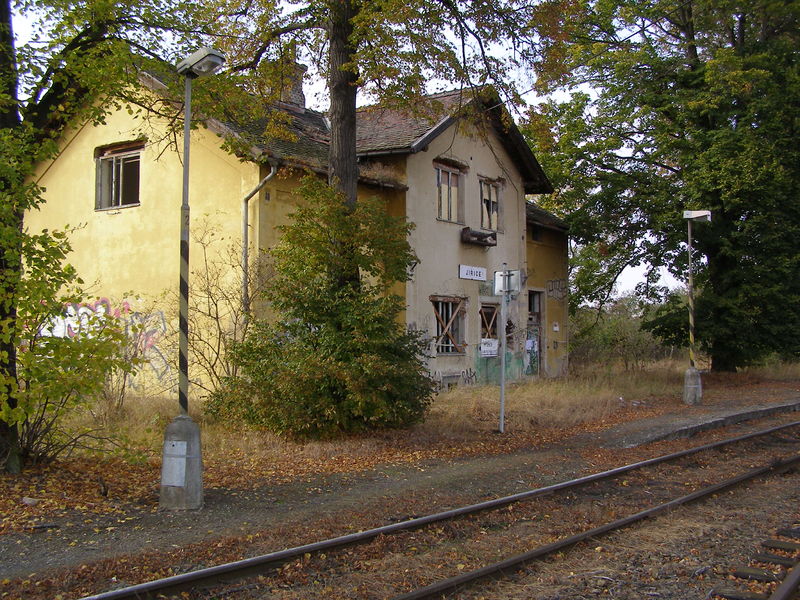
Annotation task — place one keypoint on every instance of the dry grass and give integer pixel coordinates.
(461, 415)
(779, 371)
(564, 402)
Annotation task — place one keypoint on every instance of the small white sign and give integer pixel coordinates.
(489, 346)
(556, 326)
(510, 283)
(173, 471)
(469, 272)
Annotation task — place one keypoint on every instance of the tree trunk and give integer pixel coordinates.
(343, 167)
(342, 78)
(10, 259)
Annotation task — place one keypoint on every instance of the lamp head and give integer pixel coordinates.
(201, 63)
(697, 215)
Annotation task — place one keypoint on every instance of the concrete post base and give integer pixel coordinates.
(692, 387)
(181, 466)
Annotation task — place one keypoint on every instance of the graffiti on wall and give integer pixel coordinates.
(557, 288)
(146, 330)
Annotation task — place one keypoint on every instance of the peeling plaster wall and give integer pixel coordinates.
(547, 273)
(440, 250)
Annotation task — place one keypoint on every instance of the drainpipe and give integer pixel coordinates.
(246, 242)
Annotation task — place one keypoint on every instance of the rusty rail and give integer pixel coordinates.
(259, 564)
(439, 588)
(788, 589)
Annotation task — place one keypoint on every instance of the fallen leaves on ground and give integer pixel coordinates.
(42, 493)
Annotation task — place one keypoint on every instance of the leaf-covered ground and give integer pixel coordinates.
(86, 520)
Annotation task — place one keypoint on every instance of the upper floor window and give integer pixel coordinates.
(490, 205)
(118, 173)
(448, 195)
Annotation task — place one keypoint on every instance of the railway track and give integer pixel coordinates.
(628, 487)
(773, 572)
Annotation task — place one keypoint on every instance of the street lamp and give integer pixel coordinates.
(181, 466)
(692, 384)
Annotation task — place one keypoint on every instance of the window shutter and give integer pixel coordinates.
(99, 192)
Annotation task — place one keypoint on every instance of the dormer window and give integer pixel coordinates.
(118, 174)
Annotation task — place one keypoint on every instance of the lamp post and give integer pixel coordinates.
(181, 466)
(692, 384)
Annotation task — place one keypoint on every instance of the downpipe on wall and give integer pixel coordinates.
(246, 240)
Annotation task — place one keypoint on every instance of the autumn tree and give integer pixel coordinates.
(673, 106)
(353, 366)
(389, 51)
(84, 60)
(348, 364)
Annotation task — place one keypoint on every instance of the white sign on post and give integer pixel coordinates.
(513, 284)
(469, 272)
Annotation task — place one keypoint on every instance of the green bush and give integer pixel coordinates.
(336, 359)
(60, 374)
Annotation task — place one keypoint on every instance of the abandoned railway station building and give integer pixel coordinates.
(467, 184)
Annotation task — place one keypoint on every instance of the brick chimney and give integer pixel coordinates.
(292, 90)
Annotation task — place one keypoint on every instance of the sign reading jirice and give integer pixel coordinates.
(468, 272)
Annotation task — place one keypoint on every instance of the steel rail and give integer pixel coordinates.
(440, 588)
(789, 587)
(258, 564)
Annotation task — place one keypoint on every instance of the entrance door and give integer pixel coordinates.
(533, 345)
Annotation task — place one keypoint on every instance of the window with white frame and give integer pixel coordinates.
(449, 313)
(490, 205)
(118, 176)
(448, 195)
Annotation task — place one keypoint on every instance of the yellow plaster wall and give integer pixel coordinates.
(134, 251)
(547, 273)
(129, 257)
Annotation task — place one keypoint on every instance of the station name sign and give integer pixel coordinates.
(474, 273)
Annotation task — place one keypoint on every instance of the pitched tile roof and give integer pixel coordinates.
(540, 216)
(382, 131)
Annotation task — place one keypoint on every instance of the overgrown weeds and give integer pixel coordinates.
(462, 416)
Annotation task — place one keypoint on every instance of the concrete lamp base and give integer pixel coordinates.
(692, 387)
(181, 466)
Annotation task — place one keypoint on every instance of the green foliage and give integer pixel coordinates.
(84, 59)
(669, 321)
(59, 376)
(336, 359)
(682, 107)
(615, 335)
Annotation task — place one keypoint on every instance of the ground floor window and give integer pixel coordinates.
(449, 314)
(489, 314)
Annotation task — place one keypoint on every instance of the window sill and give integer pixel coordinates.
(113, 210)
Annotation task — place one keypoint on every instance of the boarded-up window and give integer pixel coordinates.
(489, 314)
(449, 314)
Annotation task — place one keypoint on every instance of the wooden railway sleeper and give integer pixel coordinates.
(767, 576)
